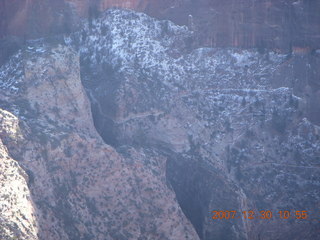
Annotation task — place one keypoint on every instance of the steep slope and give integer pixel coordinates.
(228, 120)
(78, 187)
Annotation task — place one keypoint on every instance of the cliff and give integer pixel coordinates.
(268, 24)
(233, 123)
(61, 180)
(125, 130)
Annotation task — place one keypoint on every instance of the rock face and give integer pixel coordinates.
(268, 24)
(36, 18)
(271, 24)
(17, 220)
(61, 180)
(233, 123)
(184, 131)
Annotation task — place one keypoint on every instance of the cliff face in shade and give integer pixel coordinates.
(61, 180)
(268, 24)
(271, 24)
(37, 18)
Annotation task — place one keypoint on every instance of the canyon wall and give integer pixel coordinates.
(125, 129)
(273, 24)
(234, 124)
(58, 179)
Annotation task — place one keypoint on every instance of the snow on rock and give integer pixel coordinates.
(127, 40)
(217, 113)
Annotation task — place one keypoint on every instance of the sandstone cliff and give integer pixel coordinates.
(271, 24)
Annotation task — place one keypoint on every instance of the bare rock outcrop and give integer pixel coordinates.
(18, 215)
(64, 182)
(188, 131)
(233, 123)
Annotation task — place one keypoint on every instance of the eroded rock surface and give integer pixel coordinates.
(17, 219)
(80, 187)
(233, 123)
(184, 131)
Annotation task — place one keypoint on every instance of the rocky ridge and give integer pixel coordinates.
(80, 187)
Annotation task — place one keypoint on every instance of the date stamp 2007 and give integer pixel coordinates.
(217, 215)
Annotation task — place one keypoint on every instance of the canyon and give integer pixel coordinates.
(126, 126)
